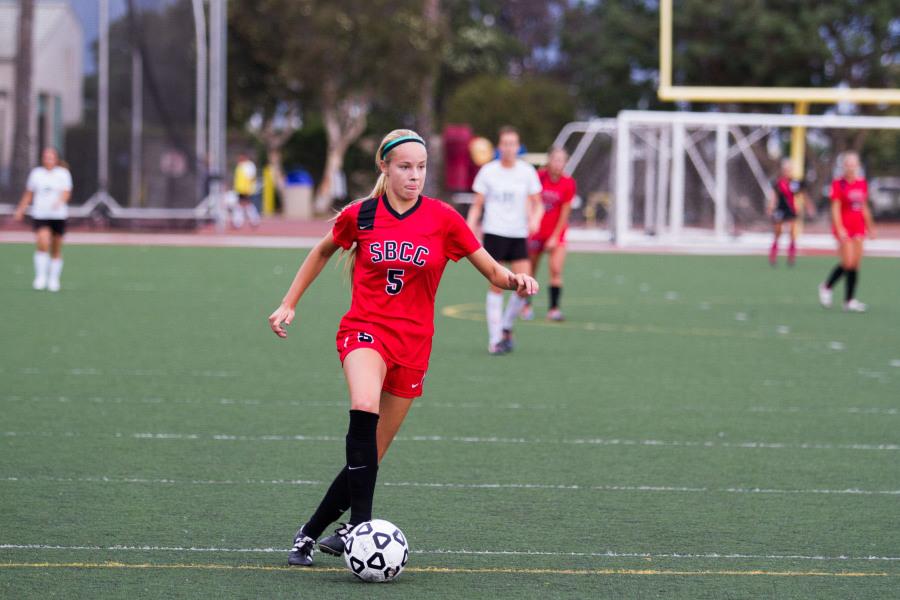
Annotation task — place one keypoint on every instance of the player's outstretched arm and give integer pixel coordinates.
(560, 225)
(23, 205)
(501, 277)
(313, 264)
(837, 221)
(870, 222)
(474, 216)
(535, 213)
(64, 198)
(770, 204)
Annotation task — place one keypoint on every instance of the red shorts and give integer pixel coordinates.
(538, 241)
(855, 225)
(400, 380)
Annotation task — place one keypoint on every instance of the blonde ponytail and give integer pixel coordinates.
(380, 188)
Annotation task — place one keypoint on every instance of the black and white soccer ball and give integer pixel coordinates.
(376, 551)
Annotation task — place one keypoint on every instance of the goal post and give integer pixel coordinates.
(694, 156)
(800, 97)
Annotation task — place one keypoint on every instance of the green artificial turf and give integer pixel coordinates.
(698, 428)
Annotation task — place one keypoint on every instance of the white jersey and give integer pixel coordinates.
(506, 191)
(47, 187)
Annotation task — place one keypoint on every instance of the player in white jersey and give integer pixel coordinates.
(508, 195)
(48, 191)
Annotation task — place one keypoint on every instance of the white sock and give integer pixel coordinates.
(495, 317)
(513, 308)
(56, 266)
(253, 215)
(41, 264)
(237, 216)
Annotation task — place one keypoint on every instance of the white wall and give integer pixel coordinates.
(56, 68)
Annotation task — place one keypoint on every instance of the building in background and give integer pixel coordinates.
(57, 77)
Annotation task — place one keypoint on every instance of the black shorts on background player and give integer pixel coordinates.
(785, 196)
(504, 248)
(57, 226)
(783, 213)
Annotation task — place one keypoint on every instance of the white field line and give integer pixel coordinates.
(468, 486)
(607, 554)
(468, 440)
(266, 403)
(695, 242)
(94, 372)
(852, 410)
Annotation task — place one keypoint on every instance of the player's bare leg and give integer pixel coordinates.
(792, 248)
(393, 412)
(773, 251)
(557, 263)
(364, 370)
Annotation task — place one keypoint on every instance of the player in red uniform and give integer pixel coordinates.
(782, 207)
(557, 193)
(851, 221)
(399, 242)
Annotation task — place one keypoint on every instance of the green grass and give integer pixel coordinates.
(643, 407)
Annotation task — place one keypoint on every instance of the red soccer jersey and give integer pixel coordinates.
(555, 194)
(785, 190)
(399, 262)
(853, 197)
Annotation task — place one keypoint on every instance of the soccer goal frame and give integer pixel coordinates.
(675, 147)
(800, 97)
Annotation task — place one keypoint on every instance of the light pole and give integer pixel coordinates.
(217, 99)
(201, 100)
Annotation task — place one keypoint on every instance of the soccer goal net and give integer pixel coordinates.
(121, 91)
(678, 176)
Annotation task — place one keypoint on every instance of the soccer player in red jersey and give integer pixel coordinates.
(782, 207)
(851, 221)
(399, 242)
(557, 192)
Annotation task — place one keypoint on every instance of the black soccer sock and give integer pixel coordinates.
(851, 285)
(362, 464)
(555, 293)
(835, 275)
(333, 505)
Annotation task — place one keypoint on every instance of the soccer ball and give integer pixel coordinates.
(376, 551)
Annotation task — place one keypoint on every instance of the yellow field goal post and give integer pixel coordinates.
(800, 97)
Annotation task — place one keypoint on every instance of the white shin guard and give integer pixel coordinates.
(513, 308)
(495, 317)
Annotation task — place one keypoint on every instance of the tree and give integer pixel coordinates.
(22, 157)
(610, 47)
(425, 118)
(538, 107)
(343, 56)
(257, 96)
(610, 54)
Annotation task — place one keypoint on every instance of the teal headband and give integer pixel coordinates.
(401, 140)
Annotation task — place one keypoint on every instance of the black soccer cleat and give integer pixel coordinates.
(507, 344)
(301, 554)
(334, 543)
